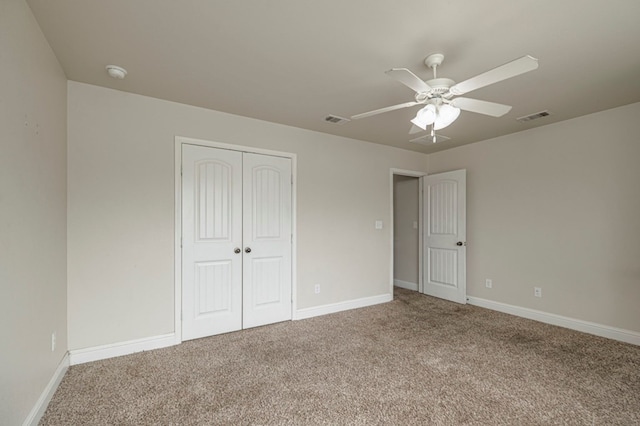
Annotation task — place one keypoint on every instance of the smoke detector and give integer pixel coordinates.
(116, 71)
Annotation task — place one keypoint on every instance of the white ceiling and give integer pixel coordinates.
(296, 61)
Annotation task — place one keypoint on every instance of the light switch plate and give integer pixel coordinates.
(378, 224)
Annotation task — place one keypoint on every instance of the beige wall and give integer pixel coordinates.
(121, 209)
(32, 212)
(405, 236)
(557, 207)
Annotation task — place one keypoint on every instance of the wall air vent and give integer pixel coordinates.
(335, 119)
(535, 116)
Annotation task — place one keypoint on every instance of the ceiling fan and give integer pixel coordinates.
(442, 107)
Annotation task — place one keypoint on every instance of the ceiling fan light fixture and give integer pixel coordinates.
(447, 114)
(425, 117)
(439, 95)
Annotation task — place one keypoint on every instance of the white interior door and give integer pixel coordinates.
(445, 236)
(267, 240)
(236, 240)
(211, 233)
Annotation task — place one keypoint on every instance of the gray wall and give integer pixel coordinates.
(121, 209)
(33, 117)
(557, 207)
(405, 236)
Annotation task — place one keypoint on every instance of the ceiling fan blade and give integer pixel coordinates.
(481, 107)
(503, 72)
(381, 110)
(409, 79)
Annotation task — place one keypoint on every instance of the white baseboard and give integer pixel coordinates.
(80, 356)
(609, 332)
(341, 306)
(41, 405)
(405, 284)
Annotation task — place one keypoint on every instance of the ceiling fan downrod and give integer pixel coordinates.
(433, 61)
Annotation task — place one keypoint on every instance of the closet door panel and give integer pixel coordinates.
(211, 231)
(267, 239)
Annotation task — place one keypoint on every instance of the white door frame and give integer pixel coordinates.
(410, 173)
(179, 141)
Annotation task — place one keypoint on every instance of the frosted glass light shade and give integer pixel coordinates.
(447, 114)
(425, 117)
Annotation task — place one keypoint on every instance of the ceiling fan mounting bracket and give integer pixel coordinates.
(434, 60)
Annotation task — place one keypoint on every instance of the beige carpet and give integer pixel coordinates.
(416, 360)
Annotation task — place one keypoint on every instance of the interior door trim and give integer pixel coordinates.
(178, 142)
(419, 175)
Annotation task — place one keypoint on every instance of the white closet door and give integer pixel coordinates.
(211, 231)
(267, 240)
(445, 236)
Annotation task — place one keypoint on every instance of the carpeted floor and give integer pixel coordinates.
(416, 360)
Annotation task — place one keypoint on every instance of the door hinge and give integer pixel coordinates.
(291, 178)
(291, 238)
(180, 170)
(180, 242)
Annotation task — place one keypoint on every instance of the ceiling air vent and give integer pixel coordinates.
(335, 119)
(535, 116)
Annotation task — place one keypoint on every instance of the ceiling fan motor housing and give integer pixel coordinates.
(440, 86)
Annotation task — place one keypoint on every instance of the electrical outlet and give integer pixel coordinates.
(317, 289)
(53, 341)
(488, 283)
(537, 292)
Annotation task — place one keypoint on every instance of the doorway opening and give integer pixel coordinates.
(406, 214)
(440, 233)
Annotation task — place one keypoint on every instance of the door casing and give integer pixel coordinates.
(421, 227)
(420, 175)
(178, 142)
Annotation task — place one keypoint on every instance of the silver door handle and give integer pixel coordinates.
(237, 250)
(247, 250)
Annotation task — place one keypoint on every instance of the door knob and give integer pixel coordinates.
(236, 250)
(459, 243)
(247, 250)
